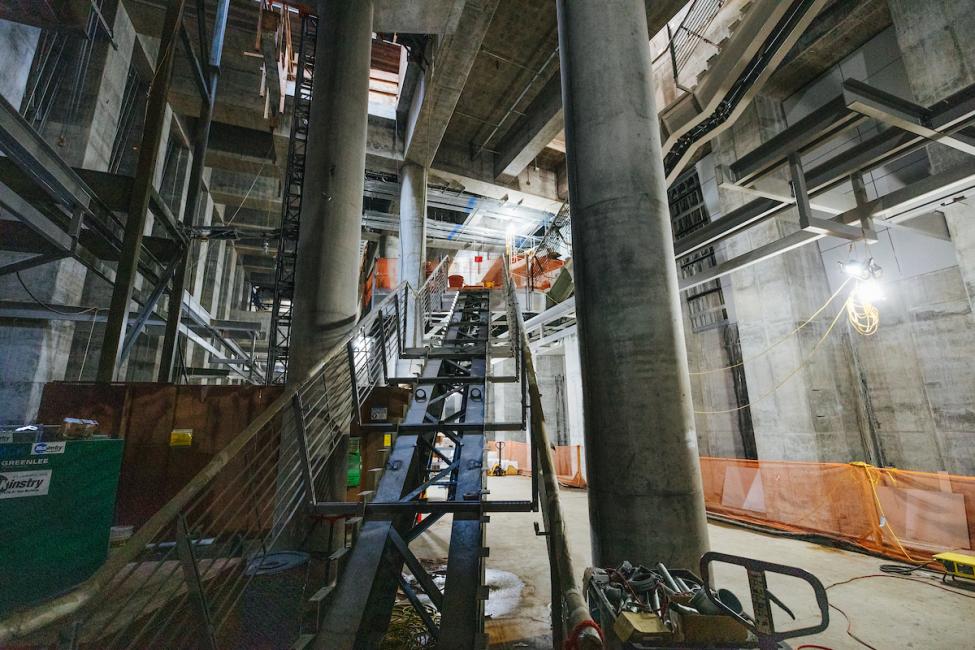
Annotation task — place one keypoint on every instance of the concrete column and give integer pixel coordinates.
(575, 418)
(326, 291)
(326, 295)
(645, 498)
(412, 223)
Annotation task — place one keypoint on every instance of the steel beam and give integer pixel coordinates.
(199, 77)
(43, 165)
(954, 114)
(150, 305)
(807, 221)
(190, 207)
(822, 124)
(899, 113)
(899, 205)
(141, 192)
(51, 232)
(29, 263)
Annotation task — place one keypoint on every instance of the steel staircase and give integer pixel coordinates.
(448, 402)
(747, 49)
(189, 576)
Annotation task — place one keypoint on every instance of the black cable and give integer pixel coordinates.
(908, 569)
(47, 306)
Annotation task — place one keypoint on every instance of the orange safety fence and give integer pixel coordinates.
(898, 513)
(568, 461)
(902, 514)
(542, 269)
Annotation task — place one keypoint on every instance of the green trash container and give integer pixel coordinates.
(57, 505)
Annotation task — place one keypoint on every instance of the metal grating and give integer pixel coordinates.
(285, 265)
(689, 213)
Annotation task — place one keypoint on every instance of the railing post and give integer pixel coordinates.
(352, 377)
(304, 457)
(191, 574)
(382, 345)
(399, 327)
(673, 55)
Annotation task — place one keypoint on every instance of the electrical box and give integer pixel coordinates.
(57, 505)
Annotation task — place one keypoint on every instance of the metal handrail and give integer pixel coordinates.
(689, 34)
(152, 583)
(570, 612)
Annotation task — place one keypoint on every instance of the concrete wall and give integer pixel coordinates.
(19, 42)
(909, 384)
(939, 303)
(801, 415)
(35, 352)
(550, 371)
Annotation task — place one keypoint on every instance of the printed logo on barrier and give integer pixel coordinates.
(41, 448)
(24, 484)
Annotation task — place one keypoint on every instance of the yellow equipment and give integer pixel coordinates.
(958, 564)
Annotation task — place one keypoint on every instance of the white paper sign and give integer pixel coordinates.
(24, 484)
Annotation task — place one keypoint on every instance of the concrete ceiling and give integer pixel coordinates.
(483, 118)
(511, 106)
(839, 29)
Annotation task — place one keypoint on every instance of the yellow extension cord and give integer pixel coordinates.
(792, 374)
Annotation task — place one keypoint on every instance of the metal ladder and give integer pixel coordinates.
(285, 263)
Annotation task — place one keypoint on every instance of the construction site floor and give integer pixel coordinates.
(885, 612)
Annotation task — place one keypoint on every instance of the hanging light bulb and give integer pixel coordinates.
(869, 291)
(855, 269)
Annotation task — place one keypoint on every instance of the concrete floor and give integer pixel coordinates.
(885, 612)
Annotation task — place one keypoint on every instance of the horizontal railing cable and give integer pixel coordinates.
(180, 578)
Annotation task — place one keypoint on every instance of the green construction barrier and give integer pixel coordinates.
(57, 503)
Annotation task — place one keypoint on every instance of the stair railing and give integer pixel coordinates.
(422, 305)
(178, 580)
(572, 625)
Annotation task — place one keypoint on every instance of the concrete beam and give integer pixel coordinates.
(838, 30)
(417, 17)
(440, 86)
(542, 122)
(543, 119)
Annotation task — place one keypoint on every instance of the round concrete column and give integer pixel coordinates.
(326, 294)
(412, 223)
(645, 499)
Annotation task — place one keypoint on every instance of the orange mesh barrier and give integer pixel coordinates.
(387, 272)
(543, 270)
(898, 513)
(568, 466)
(568, 461)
